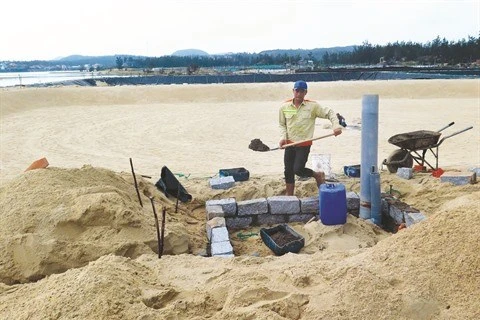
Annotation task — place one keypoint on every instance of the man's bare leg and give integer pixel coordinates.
(290, 188)
(319, 177)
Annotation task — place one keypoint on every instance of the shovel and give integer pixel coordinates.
(258, 145)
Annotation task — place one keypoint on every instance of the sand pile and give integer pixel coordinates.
(85, 231)
(56, 219)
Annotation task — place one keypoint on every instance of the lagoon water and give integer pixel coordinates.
(10, 79)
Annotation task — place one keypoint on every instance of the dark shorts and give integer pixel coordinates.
(294, 160)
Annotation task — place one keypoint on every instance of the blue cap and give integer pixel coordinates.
(300, 84)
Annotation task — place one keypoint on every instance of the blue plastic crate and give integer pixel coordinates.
(352, 171)
(238, 174)
(292, 246)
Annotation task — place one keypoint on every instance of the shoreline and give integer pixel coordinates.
(205, 76)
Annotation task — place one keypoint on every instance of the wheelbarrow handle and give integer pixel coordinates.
(453, 134)
(449, 125)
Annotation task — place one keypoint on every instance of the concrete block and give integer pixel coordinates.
(405, 173)
(238, 222)
(283, 205)
(221, 248)
(270, 219)
(302, 217)
(222, 182)
(413, 217)
(214, 211)
(216, 222)
(252, 207)
(396, 213)
(229, 206)
(385, 206)
(220, 234)
(459, 178)
(354, 212)
(353, 201)
(309, 205)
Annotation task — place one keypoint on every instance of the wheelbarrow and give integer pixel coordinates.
(414, 146)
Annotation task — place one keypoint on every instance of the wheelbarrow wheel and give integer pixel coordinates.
(399, 159)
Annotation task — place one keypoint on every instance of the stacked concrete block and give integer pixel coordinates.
(213, 223)
(283, 205)
(301, 217)
(270, 219)
(219, 234)
(221, 208)
(227, 213)
(405, 173)
(459, 178)
(239, 222)
(220, 242)
(222, 182)
(223, 248)
(309, 205)
(252, 207)
(353, 201)
(413, 217)
(214, 211)
(397, 214)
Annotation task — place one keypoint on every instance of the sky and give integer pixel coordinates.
(49, 29)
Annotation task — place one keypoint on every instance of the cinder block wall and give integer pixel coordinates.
(262, 211)
(286, 209)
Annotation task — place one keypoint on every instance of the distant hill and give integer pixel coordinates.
(189, 53)
(317, 53)
(110, 60)
(103, 60)
(81, 60)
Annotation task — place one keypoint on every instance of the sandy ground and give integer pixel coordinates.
(77, 244)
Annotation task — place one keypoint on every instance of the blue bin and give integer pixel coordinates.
(332, 204)
(238, 174)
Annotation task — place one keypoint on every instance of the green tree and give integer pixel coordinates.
(119, 62)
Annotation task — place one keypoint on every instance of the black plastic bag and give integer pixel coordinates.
(169, 184)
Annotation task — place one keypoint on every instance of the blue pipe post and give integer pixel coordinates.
(369, 153)
(375, 197)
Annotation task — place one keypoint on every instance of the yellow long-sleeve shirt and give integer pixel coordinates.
(297, 124)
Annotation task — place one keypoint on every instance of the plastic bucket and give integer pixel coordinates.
(332, 204)
(321, 162)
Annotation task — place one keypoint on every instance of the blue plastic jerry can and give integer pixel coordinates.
(332, 204)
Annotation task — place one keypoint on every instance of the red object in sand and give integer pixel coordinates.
(39, 164)
(419, 168)
(437, 173)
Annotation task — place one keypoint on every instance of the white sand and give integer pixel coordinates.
(76, 244)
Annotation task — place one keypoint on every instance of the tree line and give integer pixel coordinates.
(436, 52)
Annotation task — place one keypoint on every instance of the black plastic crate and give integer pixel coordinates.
(294, 244)
(238, 174)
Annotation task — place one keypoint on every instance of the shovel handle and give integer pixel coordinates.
(303, 141)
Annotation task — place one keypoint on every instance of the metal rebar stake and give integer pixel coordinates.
(160, 247)
(136, 185)
(164, 211)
